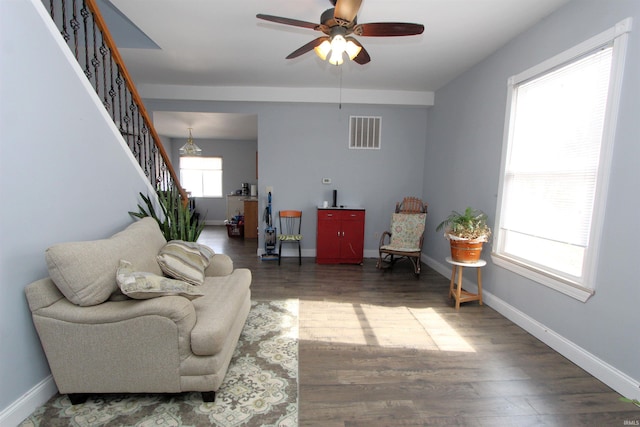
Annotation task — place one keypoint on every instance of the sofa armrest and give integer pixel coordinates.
(221, 265)
(133, 346)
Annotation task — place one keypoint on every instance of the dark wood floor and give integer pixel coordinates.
(387, 349)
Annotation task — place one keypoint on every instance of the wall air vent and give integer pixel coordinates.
(364, 132)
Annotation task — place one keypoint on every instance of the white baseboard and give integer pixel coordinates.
(617, 380)
(15, 413)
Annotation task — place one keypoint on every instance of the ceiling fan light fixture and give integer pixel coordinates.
(323, 49)
(338, 47)
(352, 49)
(338, 44)
(190, 149)
(336, 58)
(337, 24)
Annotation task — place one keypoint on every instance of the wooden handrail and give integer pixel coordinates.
(108, 40)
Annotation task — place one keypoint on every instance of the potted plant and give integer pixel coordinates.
(176, 220)
(466, 232)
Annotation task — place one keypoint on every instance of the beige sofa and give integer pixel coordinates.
(98, 340)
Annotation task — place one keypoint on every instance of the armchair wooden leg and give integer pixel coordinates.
(208, 396)
(416, 266)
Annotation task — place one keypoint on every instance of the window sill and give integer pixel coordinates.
(561, 285)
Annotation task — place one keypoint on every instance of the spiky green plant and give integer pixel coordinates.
(472, 225)
(175, 219)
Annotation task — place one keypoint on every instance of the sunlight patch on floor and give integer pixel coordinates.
(443, 334)
(375, 325)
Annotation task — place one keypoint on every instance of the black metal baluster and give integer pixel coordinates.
(154, 164)
(132, 108)
(139, 140)
(64, 32)
(105, 100)
(126, 121)
(95, 61)
(112, 91)
(83, 12)
(119, 83)
(52, 10)
(147, 149)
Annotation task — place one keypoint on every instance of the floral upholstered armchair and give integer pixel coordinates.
(406, 235)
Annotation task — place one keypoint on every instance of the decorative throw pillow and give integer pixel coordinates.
(83, 271)
(406, 230)
(141, 285)
(185, 260)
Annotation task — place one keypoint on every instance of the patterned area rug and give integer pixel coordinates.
(260, 388)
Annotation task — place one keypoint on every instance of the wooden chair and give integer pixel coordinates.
(405, 239)
(290, 225)
(411, 205)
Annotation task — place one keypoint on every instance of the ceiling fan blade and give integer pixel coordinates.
(287, 21)
(388, 29)
(307, 47)
(346, 10)
(363, 56)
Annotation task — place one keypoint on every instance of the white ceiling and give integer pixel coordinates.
(175, 124)
(213, 45)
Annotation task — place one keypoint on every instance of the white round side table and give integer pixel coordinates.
(459, 294)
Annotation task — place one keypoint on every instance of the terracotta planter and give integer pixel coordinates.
(465, 250)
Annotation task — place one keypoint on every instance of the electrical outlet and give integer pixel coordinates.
(269, 189)
(326, 180)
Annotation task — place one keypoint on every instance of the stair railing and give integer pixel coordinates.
(85, 31)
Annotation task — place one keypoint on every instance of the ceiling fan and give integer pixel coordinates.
(338, 23)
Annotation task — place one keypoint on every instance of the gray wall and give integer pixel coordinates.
(299, 144)
(58, 180)
(238, 163)
(465, 132)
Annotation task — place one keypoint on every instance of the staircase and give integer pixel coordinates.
(85, 32)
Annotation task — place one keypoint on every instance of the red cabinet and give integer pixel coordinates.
(340, 238)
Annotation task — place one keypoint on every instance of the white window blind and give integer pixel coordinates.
(552, 169)
(558, 139)
(201, 176)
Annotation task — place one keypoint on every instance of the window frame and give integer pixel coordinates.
(221, 170)
(617, 36)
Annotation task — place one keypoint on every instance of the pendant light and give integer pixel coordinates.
(190, 148)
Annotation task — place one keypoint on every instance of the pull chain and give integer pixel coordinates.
(340, 105)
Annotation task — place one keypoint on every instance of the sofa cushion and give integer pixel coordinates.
(142, 285)
(85, 271)
(217, 310)
(185, 260)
